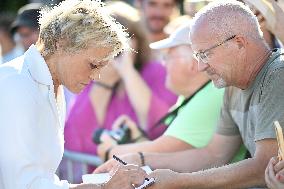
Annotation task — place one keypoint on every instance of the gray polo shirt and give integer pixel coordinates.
(251, 112)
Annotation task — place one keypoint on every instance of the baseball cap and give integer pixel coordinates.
(27, 16)
(178, 37)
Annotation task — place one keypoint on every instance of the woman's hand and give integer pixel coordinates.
(125, 120)
(122, 176)
(126, 177)
(107, 143)
(124, 64)
(111, 164)
(274, 174)
(109, 75)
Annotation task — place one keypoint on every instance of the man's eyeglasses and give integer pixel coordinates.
(203, 56)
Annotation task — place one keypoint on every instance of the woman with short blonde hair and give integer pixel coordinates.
(77, 38)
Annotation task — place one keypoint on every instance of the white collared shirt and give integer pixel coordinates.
(31, 125)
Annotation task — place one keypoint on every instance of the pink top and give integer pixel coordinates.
(81, 121)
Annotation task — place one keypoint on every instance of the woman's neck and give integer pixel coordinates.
(50, 62)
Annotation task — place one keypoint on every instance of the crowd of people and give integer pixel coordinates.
(193, 97)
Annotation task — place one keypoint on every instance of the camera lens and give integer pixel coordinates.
(122, 135)
(97, 135)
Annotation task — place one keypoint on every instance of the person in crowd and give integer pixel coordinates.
(155, 15)
(196, 113)
(265, 26)
(175, 23)
(191, 7)
(276, 27)
(9, 48)
(229, 46)
(132, 84)
(76, 39)
(26, 24)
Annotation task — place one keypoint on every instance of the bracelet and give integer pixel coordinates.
(142, 158)
(107, 153)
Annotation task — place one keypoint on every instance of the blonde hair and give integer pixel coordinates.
(80, 23)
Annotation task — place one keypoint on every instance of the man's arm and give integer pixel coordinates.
(220, 151)
(244, 174)
(163, 144)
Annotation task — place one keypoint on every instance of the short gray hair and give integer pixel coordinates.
(230, 17)
(81, 23)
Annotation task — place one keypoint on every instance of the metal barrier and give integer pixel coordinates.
(84, 159)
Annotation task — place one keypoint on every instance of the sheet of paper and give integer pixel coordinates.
(146, 183)
(104, 177)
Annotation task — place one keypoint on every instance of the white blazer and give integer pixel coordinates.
(31, 125)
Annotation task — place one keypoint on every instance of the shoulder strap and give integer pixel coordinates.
(174, 112)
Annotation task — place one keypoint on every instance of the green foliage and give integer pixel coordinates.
(12, 5)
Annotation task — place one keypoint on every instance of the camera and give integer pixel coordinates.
(122, 135)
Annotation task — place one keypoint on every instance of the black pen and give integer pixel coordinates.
(123, 162)
(119, 160)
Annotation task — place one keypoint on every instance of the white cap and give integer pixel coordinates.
(178, 37)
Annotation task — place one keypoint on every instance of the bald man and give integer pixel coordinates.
(228, 45)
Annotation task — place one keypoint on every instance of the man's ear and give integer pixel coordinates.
(241, 41)
(242, 44)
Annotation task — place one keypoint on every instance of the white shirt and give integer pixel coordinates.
(15, 52)
(31, 125)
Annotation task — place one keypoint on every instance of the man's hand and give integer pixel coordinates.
(164, 178)
(274, 174)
